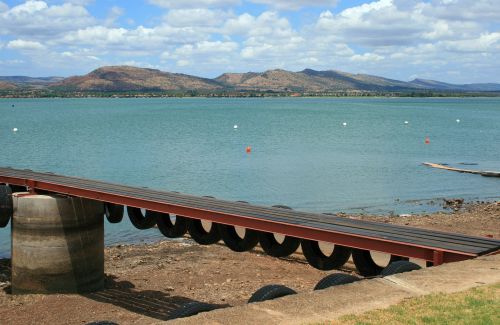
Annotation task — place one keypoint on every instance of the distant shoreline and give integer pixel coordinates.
(32, 94)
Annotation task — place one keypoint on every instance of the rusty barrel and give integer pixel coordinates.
(57, 244)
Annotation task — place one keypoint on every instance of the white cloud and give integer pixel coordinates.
(20, 44)
(11, 62)
(207, 47)
(265, 32)
(138, 41)
(487, 42)
(399, 23)
(114, 13)
(374, 24)
(79, 55)
(140, 64)
(79, 2)
(463, 9)
(196, 17)
(29, 7)
(183, 63)
(194, 3)
(204, 52)
(3, 7)
(38, 19)
(296, 4)
(367, 57)
(268, 23)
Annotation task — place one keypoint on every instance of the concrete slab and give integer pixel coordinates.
(358, 297)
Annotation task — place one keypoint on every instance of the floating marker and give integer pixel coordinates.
(248, 149)
(235, 126)
(344, 124)
(458, 120)
(427, 140)
(406, 122)
(14, 129)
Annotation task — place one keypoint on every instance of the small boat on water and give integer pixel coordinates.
(469, 171)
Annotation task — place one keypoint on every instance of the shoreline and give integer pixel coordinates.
(168, 273)
(388, 96)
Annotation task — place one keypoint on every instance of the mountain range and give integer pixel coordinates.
(133, 79)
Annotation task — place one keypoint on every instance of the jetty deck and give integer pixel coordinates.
(433, 246)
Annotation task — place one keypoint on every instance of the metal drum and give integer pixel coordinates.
(57, 244)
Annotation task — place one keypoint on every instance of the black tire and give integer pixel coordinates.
(334, 280)
(6, 205)
(113, 212)
(365, 264)
(399, 267)
(200, 235)
(191, 309)
(272, 247)
(270, 292)
(317, 259)
(232, 240)
(169, 229)
(141, 221)
(18, 188)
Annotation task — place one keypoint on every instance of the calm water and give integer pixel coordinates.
(302, 155)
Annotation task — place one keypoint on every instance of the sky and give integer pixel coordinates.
(455, 41)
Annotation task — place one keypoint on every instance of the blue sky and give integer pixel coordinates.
(449, 40)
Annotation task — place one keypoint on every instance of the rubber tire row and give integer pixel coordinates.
(228, 234)
(362, 259)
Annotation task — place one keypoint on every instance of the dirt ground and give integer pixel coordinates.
(145, 283)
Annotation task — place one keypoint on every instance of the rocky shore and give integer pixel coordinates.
(145, 283)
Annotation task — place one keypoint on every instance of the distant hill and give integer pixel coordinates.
(311, 81)
(37, 82)
(126, 78)
(7, 86)
(323, 81)
(432, 84)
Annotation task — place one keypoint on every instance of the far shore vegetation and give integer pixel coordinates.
(30, 93)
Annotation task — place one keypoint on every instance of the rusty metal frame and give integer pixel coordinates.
(427, 253)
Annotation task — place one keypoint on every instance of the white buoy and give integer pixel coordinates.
(406, 122)
(344, 124)
(458, 120)
(235, 126)
(14, 129)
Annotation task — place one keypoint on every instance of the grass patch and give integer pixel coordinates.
(475, 306)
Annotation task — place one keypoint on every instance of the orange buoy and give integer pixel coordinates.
(248, 149)
(427, 140)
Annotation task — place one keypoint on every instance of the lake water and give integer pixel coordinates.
(302, 154)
